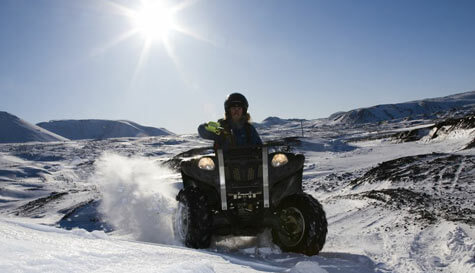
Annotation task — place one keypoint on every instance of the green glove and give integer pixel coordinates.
(214, 127)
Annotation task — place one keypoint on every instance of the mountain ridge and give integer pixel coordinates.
(100, 129)
(15, 129)
(425, 108)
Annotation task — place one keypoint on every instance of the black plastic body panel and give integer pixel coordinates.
(244, 188)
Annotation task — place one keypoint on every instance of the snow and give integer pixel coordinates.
(446, 247)
(28, 247)
(414, 109)
(99, 129)
(14, 129)
(106, 205)
(138, 196)
(36, 248)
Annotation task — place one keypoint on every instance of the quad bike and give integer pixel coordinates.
(243, 191)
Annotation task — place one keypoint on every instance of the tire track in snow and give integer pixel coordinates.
(440, 181)
(457, 174)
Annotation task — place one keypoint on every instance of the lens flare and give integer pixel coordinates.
(154, 21)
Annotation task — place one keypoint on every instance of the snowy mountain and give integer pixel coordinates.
(427, 109)
(272, 121)
(100, 129)
(398, 198)
(14, 129)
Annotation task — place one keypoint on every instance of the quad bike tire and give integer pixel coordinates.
(302, 225)
(192, 221)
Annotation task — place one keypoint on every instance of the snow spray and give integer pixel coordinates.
(138, 196)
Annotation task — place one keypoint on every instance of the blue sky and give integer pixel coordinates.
(292, 59)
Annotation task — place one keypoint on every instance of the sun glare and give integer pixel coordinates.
(154, 21)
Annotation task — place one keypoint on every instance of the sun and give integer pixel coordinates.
(154, 20)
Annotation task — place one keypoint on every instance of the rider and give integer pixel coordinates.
(235, 129)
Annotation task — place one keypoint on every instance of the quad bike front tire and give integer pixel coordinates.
(192, 221)
(302, 225)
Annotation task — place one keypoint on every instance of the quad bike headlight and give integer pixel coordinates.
(279, 160)
(206, 163)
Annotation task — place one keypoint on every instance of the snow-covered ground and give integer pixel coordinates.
(106, 205)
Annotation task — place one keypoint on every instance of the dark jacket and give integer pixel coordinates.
(233, 135)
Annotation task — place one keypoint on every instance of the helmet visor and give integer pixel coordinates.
(236, 104)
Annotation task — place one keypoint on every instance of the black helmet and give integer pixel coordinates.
(236, 99)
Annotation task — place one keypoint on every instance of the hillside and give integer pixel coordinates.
(420, 109)
(100, 129)
(13, 129)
